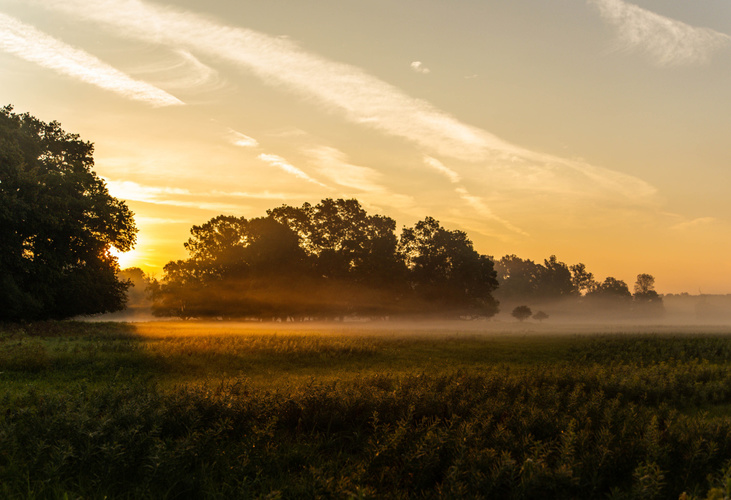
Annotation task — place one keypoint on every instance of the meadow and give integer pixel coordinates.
(460, 410)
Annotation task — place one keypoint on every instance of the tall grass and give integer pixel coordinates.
(111, 412)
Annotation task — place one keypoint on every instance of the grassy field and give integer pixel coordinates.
(222, 410)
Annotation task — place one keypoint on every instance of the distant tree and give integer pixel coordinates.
(518, 278)
(582, 280)
(216, 248)
(445, 272)
(353, 255)
(540, 316)
(236, 267)
(521, 313)
(610, 288)
(344, 241)
(645, 285)
(646, 298)
(556, 280)
(611, 295)
(328, 260)
(525, 279)
(58, 223)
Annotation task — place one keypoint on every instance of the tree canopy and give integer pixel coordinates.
(444, 269)
(326, 260)
(646, 300)
(343, 241)
(611, 288)
(237, 267)
(525, 279)
(521, 313)
(58, 223)
(333, 259)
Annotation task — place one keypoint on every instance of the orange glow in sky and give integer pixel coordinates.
(593, 130)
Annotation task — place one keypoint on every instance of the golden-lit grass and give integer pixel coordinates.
(274, 356)
(223, 410)
(286, 355)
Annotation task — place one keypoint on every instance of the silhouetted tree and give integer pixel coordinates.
(58, 223)
(237, 267)
(518, 278)
(327, 260)
(521, 313)
(446, 272)
(344, 239)
(611, 295)
(647, 300)
(540, 316)
(611, 288)
(582, 280)
(645, 285)
(555, 280)
(525, 279)
(352, 252)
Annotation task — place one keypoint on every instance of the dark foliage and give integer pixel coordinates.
(57, 225)
(540, 316)
(325, 261)
(445, 272)
(646, 299)
(521, 313)
(525, 279)
(612, 418)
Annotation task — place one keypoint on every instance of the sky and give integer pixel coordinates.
(597, 131)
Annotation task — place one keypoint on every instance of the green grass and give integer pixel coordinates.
(196, 410)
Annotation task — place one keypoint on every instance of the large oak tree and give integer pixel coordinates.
(58, 223)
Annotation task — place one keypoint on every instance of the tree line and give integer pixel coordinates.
(58, 224)
(334, 260)
(325, 261)
(525, 280)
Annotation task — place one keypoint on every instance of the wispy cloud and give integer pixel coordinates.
(334, 165)
(35, 46)
(700, 222)
(419, 67)
(479, 206)
(442, 169)
(284, 165)
(129, 190)
(181, 71)
(359, 97)
(668, 42)
(259, 195)
(241, 140)
(176, 197)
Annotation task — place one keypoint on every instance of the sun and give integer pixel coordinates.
(125, 259)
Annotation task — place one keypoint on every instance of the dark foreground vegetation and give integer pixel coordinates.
(216, 411)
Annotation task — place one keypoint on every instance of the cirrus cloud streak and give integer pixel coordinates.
(484, 159)
(362, 98)
(35, 46)
(668, 42)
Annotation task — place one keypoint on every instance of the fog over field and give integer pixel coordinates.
(367, 249)
(681, 314)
